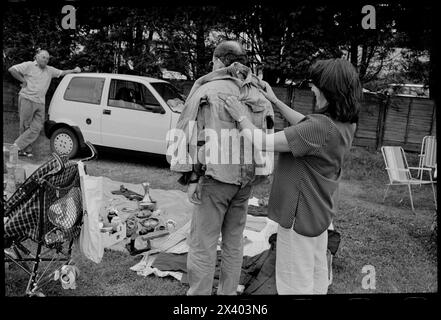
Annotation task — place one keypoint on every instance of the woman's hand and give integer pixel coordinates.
(269, 94)
(234, 107)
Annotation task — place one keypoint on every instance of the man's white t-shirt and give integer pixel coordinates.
(38, 80)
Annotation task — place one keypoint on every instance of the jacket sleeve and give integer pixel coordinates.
(181, 140)
(184, 156)
(197, 167)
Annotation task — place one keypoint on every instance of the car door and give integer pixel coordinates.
(133, 118)
(80, 106)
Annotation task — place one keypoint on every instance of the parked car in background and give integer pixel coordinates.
(112, 110)
(408, 90)
(174, 75)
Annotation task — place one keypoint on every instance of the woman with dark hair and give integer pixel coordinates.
(308, 172)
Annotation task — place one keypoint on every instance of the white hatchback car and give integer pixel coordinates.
(112, 110)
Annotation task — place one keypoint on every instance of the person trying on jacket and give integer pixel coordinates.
(308, 172)
(220, 188)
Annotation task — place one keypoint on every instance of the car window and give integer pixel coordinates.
(421, 92)
(426, 92)
(415, 91)
(132, 95)
(400, 90)
(84, 89)
(170, 94)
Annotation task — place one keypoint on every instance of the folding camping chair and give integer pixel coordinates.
(427, 155)
(43, 218)
(399, 171)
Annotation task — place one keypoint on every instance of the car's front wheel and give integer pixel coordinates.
(64, 142)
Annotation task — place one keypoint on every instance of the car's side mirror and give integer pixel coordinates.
(158, 110)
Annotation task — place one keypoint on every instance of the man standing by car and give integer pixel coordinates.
(220, 189)
(35, 77)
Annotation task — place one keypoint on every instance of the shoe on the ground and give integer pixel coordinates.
(22, 153)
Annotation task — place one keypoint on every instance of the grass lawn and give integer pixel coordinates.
(399, 244)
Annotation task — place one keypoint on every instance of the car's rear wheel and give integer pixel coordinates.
(64, 142)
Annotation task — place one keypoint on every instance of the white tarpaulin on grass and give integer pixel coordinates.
(174, 205)
(255, 243)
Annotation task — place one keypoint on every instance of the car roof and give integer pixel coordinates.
(118, 76)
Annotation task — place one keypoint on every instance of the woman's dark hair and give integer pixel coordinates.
(339, 82)
(229, 52)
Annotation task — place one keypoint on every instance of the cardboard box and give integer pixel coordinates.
(109, 239)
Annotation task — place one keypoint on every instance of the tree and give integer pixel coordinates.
(27, 29)
(416, 26)
(186, 38)
(283, 41)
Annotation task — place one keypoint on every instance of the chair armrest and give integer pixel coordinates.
(418, 168)
(403, 170)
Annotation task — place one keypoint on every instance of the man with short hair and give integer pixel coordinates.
(35, 77)
(220, 190)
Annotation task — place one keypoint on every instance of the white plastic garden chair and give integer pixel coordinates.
(427, 155)
(399, 171)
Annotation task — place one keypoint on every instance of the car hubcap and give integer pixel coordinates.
(63, 143)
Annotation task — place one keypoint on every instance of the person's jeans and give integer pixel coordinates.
(31, 122)
(223, 210)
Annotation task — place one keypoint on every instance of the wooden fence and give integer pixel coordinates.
(398, 121)
(402, 121)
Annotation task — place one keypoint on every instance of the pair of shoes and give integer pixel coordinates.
(22, 153)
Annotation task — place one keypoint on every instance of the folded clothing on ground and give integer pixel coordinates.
(258, 272)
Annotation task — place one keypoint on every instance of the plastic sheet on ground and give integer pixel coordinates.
(257, 243)
(173, 204)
